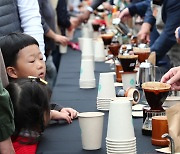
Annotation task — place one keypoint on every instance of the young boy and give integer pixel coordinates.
(23, 58)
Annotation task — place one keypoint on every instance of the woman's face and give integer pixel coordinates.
(30, 63)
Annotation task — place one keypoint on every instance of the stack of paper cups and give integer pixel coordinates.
(80, 41)
(106, 91)
(87, 47)
(99, 54)
(87, 77)
(120, 132)
(87, 31)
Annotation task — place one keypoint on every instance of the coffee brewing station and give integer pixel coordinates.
(136, 71)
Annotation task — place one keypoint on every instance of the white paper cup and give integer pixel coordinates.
(120, 124)
(63, 49)
(87, 47)
(128, 79)
(95, 34)
(106, 87)
(70, 34)
(91, 125)
(87, 31)
(87, 70)
(99, 54)
(80, 40)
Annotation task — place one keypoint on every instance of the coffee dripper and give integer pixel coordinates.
(155, 93)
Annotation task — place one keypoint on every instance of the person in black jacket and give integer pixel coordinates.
(64, 20)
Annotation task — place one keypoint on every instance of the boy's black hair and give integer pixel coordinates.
(31, 103)
(11, 45)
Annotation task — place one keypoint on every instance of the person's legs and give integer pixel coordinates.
(174, 55)
(56, 55)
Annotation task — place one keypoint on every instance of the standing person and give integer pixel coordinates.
(21, 16)
(165, 14)
(173, 75)
(18, 16)
(64, 20)
(50, 37)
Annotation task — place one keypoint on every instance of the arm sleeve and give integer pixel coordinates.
(63, 18)
(149, 18)
(6, 114)
(43, 21)
(96, 3)
(31, 20)
(3, 74)
(179, 33)
(139, 8)
(56, 107)
(167, 38)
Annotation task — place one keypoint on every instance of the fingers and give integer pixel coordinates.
(71, 112)
(68, 119)
(74, 114)
(173, 79)
(167, 76)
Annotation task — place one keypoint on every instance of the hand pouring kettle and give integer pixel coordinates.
(147, 72)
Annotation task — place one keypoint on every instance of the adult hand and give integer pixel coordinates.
(74, 23)
(173, 78)
(84, 16)
(124, 14)
(71, 112)
(177, 35)
(61, 39)
(144, 33)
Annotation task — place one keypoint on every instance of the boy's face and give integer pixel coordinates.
(30, 63)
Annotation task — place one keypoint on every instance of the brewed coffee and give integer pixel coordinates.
(107, 38)
(156, 93)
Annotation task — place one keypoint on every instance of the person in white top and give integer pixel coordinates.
(31, 20)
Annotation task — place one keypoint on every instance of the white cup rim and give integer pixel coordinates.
(90, 114)
(120, 141)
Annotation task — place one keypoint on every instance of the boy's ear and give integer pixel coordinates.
(11, 71)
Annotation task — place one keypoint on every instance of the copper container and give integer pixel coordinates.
(118, 74)
(159, 127)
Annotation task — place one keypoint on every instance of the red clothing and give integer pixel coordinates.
(21, 148)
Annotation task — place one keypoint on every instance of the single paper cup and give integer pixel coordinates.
(99, 54)
(106, 87)
(128, 79)
(63, 49)
(91, 125)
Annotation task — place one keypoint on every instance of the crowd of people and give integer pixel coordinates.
(29, 58)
